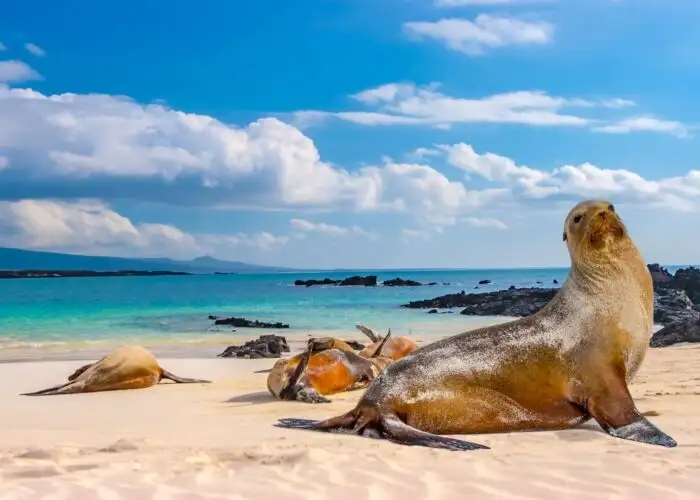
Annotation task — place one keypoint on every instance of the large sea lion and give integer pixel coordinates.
(555, 369)
(130, 367)
(325, 367)
(398, 348)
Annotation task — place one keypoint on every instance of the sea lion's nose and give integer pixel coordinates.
(603, 214)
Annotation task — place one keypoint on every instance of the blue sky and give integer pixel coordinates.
(358, 133)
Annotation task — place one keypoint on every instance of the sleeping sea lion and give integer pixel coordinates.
(398, 348)
(130, 367)
(322, 370)
(568, 363)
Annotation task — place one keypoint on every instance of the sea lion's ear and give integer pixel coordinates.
(564, 236)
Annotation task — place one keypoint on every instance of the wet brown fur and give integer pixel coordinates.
(562, 366)
(330, 371)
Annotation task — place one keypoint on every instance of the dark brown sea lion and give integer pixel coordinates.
(130, 367)
(398, 348)
(568, 363)
(326, 367)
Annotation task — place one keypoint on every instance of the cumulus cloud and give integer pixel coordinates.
(645, 124)
(484, 33)
(306, 226)
(75, 145)
(92, 227)
(485, 222)
(34, 49)
(575, 181)
(16, 71)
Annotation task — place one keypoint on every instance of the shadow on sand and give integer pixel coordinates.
(253, 398)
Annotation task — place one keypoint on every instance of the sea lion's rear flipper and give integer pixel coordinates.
(379, 348)
(389, 427)
(79, 372)
(67, 388)
(182, 380)
(369, 332)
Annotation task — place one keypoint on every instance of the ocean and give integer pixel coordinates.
(63, 317)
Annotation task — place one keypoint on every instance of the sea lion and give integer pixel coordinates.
(130, 367)
(398, 348)
(555, 369)
(324, 369)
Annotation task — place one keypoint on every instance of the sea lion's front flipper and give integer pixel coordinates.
(67, 388)
(295, 389)
(614, 410)
(369, 332)
(182, 380)
(378, 350)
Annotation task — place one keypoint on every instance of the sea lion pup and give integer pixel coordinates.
(130, 367)
(555, 369)
(398, 348)
(321, 370)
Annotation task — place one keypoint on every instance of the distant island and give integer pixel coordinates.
(84, 274)
(14, 259)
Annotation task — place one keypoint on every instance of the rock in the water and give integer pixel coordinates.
(484, 282)
(246, 323)
(266, 346)
(679, 331)
(402, 282)
(659, 274)
(688, 279)
(433, 311)
(351, 281)
(511, 302)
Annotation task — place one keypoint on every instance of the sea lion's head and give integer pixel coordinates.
(593, 231)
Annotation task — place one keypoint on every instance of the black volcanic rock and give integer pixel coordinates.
(671, 306)
(32, 273)
(679, 331)
(246, 323)
(484, 282)
(516, 302)
(659, 274)
(688, 280)
(266, 346)
(511, 302)
(401, 282)
(351, 281)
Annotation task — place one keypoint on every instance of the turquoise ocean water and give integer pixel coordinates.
(67, 314)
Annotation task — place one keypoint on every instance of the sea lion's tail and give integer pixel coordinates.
(367, 422)
(182, 380)
(71, 387)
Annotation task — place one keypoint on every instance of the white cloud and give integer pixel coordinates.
(408, 235)
(486, 3)
(34, 49)
(15, 72)
(92, 227)
(74, 146)
(422, 153)
(405, 103)
(306, 226)
(645, 124)
(585, 180)
(483, 33)
(485, 222)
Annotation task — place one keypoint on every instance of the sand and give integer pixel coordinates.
(218, 441)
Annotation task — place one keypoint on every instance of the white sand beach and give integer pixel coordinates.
(218, 441)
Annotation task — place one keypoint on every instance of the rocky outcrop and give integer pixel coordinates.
(351, 281)
(677, 332)
(403, 282)
(246, 323)
(29, 273)
(266, 346)
(676, 303)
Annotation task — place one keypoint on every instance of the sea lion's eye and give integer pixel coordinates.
(611, 207)
(563, 237)
(577, 219)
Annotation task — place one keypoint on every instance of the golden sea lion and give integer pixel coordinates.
(566, 364)
(130, 367)
(323, 370)
(398, 348)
